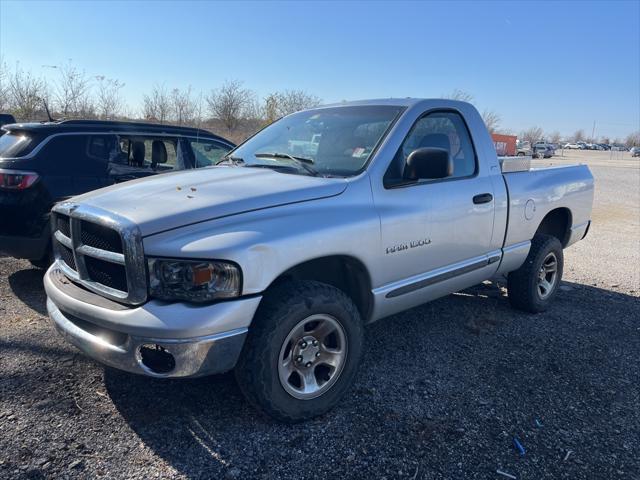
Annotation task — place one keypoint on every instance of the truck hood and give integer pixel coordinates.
(177, 199)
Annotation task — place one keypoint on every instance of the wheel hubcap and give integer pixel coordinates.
(312, 356)
(547, 275)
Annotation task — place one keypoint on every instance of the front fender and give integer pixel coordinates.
(268, 242)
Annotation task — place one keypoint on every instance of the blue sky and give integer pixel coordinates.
(557, 65)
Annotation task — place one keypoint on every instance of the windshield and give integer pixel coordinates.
(336, 141)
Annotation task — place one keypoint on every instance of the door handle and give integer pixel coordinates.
(482, 198)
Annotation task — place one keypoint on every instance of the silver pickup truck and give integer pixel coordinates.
(272, 262)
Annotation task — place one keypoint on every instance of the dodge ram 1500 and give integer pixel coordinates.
(272, 262)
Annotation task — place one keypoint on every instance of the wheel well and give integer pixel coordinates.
(341, 271)
(557, 223)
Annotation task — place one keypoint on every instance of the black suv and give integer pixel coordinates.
(44, 163)
(5, 118)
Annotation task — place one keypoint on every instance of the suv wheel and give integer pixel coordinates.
(302, 351)
(44, 262)
(534, 285)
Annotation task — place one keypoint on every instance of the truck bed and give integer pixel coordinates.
(534, 193)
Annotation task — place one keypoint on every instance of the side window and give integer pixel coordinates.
(207, 152)
(160, 154)
(442, 130)
(100, 147)
(149, 154)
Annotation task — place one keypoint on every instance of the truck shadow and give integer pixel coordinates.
(28, 287)
(431, 379)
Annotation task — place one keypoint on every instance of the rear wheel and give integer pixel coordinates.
(302, 352)
(44, 262)
(534, 285)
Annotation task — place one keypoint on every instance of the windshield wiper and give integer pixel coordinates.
(235, 161)
(302, 161)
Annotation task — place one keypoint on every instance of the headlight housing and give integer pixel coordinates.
(193, 280)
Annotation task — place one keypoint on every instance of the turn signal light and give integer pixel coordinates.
(17, 180)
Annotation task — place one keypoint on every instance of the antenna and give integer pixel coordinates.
(46, 108)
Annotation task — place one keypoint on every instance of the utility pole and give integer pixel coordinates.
(593, 132)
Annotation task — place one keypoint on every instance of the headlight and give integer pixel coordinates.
(193, 280)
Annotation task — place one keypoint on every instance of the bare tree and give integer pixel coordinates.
(605, 139)
(157, 105)
(633, 139)
(578, 136)
(26, 93)
(291, 101)
(491, 120)
(270, 108)
(554, 137)
(5, 103)
(109, 100)
(280, 104)
(183, 106)
(229, 103)
(72, 90)
(532, 135)
(460, 95)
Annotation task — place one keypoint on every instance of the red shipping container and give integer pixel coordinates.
(505, 144)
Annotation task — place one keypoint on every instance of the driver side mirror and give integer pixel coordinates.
(429, 163)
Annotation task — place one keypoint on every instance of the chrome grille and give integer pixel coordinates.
(101, 251)
(100, 237)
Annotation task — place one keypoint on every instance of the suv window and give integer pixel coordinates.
(442, 130)
(16, 144)
(207, 152)
(100, 147)
(148, 154)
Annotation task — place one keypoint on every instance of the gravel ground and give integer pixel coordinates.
(442, 392)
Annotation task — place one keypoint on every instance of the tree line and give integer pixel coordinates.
(231, 109)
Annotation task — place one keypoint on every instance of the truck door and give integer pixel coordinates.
(436, 234)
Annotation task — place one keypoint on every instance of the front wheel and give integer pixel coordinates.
(302, 351)
(534, 285)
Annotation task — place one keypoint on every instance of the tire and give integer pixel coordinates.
(44, 262)
(259, 370)
(525, 285)
(520, 154)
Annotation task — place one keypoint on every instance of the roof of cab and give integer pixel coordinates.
(407, 102)
(111, 126)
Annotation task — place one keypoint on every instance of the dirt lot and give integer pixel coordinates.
(442, 392)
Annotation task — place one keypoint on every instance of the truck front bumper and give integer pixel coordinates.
(155, 339)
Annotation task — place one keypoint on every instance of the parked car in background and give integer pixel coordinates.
(605, 146)
(547, 145)
(523, 149)
(277, 262)
(635, 151)
(572, 146)
(543, 150)
(5, 119)
(43, 163)
(618, 148)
